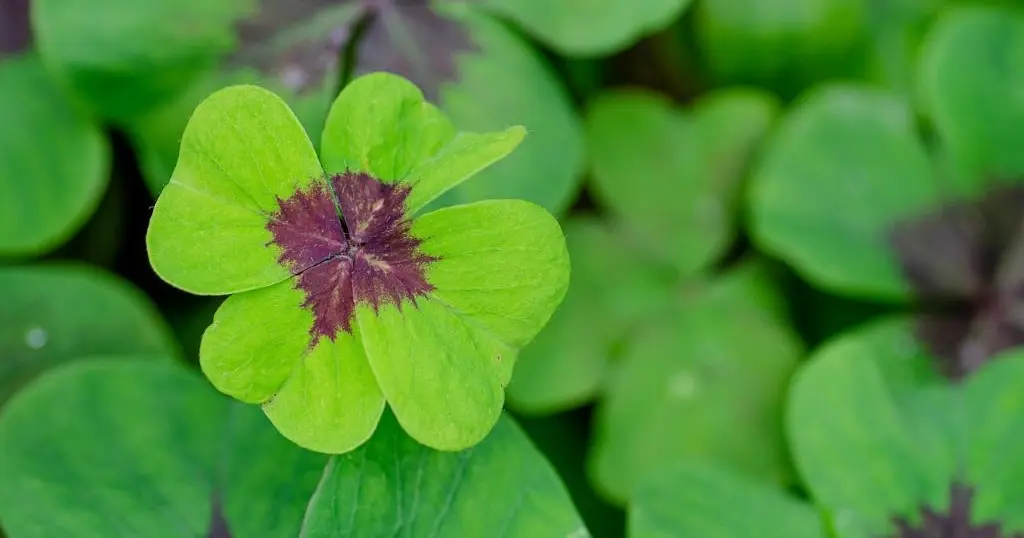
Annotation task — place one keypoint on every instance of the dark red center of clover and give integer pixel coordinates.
(357, 250)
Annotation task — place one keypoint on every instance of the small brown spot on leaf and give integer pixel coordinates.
(955, 521)
(965, 261)
(15, 27)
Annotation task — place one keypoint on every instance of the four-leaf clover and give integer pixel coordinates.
(342, 296)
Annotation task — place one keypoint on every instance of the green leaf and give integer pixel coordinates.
(980, 119)
(257, 350)
(590, 27)
(663, 172)
(56, 312)
(687, 389)
(858, 454)
(837, 174)
(394, 486)
(113, 447)
(497, 80)
(712, 502)
(242, 149)
(502, 263)
(781, 44)
(993, 403)
(125, 65)
(55, 163)
(381, 124)
(443, 363)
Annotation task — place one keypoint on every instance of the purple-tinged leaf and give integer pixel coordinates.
(15, 27)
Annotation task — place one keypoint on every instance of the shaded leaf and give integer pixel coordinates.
(712, 502)
(393, 486)
(781, 44)
(671, 178)
(980, 119)
(55, 163)
(688, 390)
(590, 27)
(54, 313)
(124, 448)
(124, 66)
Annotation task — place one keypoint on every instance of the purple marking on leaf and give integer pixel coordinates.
(15, 27)
(307, 229)
(387, 263)
(368, 256)
(410, 38)
(954, 522)
(969, 256)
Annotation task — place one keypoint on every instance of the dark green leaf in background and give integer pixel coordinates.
(112, 448)
(673, 178)
(782, 44)
(971, 72)
(709, 501)
(842, 168)
(54, 313)
(689, 388)
(394, 487)
(589, 27)
(897, 29)
(54, 163)
(122, 58)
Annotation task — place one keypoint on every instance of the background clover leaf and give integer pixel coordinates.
(708, 500)
(980, 122)
(144, 446)
(393, 486)
(843, 409)
(674, 179)
(57, 159)
(841, 169)
(704, 396)
(590, 27)
(56, 312)
(124, 66)
(243, 148)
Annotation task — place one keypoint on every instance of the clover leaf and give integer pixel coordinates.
(879, 457)
(145, 448)
(393, 486)
(55, 160)
(590, 27)
(57, 312)
(344, 296)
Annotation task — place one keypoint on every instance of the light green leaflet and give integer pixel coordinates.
(441, 356)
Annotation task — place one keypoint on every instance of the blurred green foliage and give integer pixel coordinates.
(780, 242)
